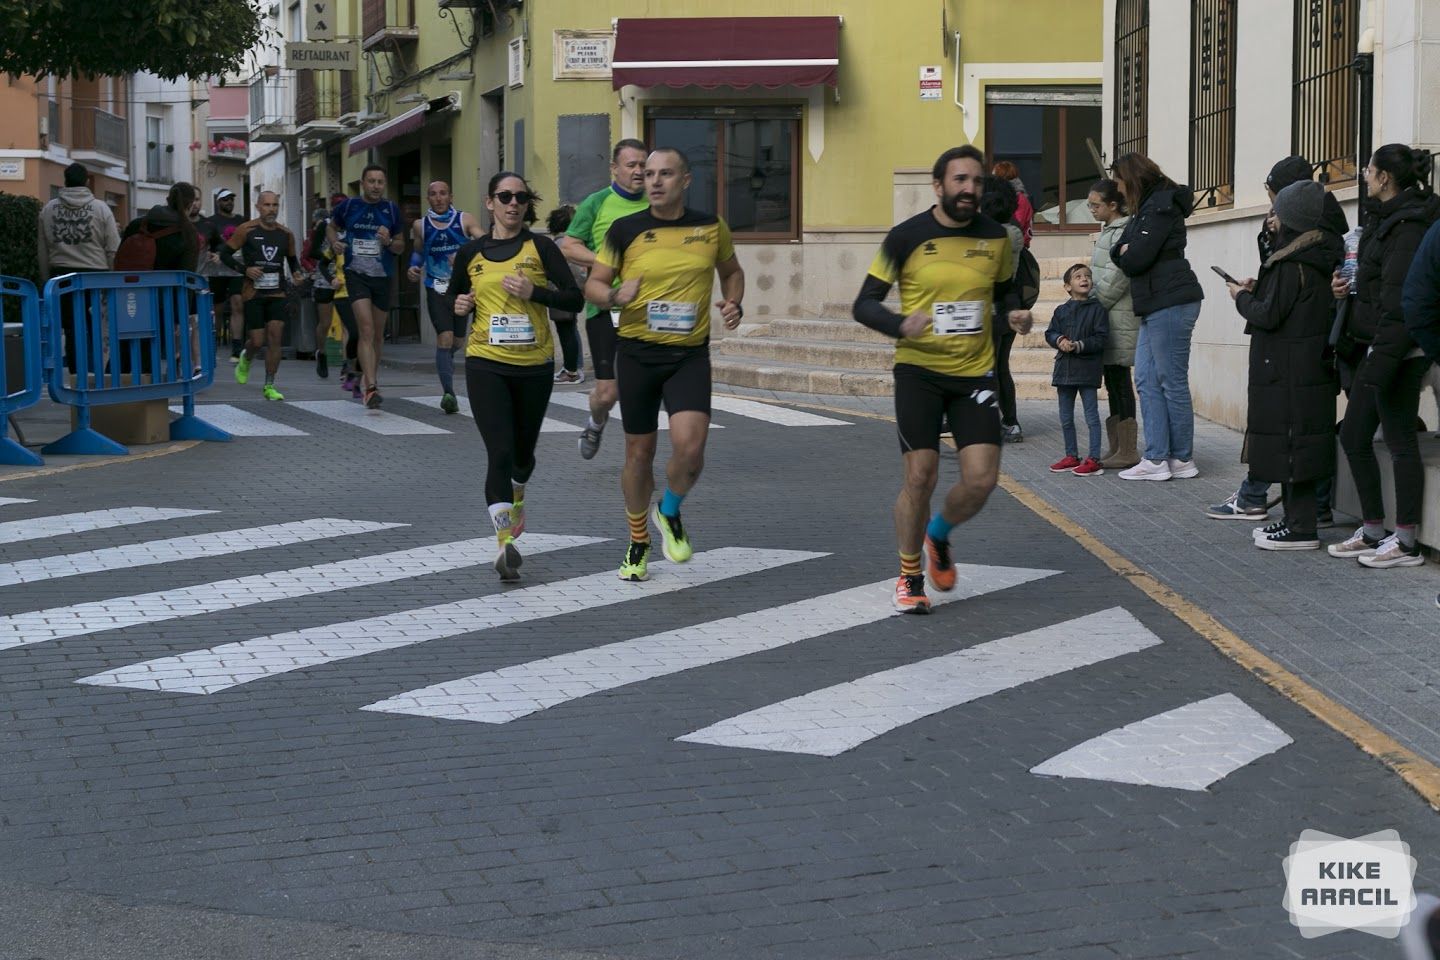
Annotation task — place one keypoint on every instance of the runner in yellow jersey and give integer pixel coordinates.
(666, 258)
(953, 265)
(504, 277)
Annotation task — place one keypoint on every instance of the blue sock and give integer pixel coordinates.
(939, 528)
(670, 503)
(445, 366)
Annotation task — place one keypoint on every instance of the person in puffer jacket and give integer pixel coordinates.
(1399, 210)
(1166, 296)
(1112, 289)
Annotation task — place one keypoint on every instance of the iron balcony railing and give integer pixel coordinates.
(1212, 102)
(270, 99)
(97, 129)
(317, 96)
(1132, 73)
(1324, 116)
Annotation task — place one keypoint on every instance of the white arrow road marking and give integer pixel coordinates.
(241, 423)
(376, 421)
(830, 721)
(41, 527)
(513, 692)
(1187, 748)
(548, 425)
(232, 664)
(77, 620)
(153, 552)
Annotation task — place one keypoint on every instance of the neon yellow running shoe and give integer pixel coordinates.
(674, 542)
(271, 393)
(634, 567)
(517, 518)
(242, 369)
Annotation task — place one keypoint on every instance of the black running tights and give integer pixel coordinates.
(1121, 391)
(1006, 381)
(509, 406)
(1394, 410)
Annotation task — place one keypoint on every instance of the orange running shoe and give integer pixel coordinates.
(910, 595)
(938, 564)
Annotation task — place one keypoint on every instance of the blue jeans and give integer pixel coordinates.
(1256, 493)
(1162, 378)
(1089, 398)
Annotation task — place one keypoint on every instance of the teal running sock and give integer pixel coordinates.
(670, 503)
(939, 528)
(445, 366)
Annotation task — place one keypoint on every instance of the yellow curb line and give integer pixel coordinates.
(1422, 775)
(105, 461)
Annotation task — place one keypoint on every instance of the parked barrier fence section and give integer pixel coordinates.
(19, 392)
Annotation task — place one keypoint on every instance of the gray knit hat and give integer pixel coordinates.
(1300, 205)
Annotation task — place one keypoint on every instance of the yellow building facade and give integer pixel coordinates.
(810, 172)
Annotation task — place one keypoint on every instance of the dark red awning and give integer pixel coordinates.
(727, 52)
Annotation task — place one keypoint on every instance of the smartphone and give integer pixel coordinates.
(1225, 276)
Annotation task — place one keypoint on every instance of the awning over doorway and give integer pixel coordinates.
(736, 52)
(407, 122)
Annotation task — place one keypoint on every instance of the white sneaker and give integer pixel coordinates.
(1147, 470)
(1391, 553)
(1182, 469)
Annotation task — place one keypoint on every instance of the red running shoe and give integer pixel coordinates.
(938, 564)
(1066, 465)
(910, 595)
(1090, 468)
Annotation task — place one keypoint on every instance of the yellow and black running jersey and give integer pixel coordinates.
(954, 274)
(676, 260)
(507, 328)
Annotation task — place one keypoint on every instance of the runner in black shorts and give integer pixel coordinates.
(263, 248)
(953, 265)
(666, 258)
(434, 240)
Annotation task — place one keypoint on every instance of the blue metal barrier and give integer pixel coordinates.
(122, 327)
(15, 397)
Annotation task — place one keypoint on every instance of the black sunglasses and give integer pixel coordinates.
(505, 196)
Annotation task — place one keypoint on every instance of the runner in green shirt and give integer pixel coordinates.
(624, 196)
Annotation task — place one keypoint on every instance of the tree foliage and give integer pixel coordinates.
(170, 38)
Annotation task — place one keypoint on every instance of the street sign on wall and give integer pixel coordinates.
(322, 56)
(319, 19)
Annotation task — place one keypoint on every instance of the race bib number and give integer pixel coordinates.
(440, 284)
(511, 330)
(366, 247)
(268, 281)
(958, 318)
(670, 316)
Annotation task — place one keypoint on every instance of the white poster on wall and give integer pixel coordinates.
(929, 83)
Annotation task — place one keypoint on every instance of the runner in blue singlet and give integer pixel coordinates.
(434, 239)
(374, 232)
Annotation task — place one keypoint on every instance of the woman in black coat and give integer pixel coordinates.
(1387, 383)
(1290, 422)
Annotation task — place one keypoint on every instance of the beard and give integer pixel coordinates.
(950, 203)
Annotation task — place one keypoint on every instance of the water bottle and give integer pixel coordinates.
(1352, 248)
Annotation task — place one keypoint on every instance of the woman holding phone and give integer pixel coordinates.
(1166, 295)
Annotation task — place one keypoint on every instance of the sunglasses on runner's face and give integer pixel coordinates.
(505, 196)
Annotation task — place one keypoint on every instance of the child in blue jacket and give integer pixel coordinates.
(1077, 331)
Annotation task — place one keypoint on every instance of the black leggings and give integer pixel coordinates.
(569, 336)
(509, 403)
(1121, 391)
(1007, 382)
(1394, 409)
(347, 320)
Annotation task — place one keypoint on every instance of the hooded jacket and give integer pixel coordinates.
(1154, 258)
(174, 251)
(1112, 289)
(77, 232)
(1290, 422)
(1388, 246)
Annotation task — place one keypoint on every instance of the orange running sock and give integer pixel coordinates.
(640, 527)
(909, 564)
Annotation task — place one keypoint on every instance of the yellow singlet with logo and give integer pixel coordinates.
(950, 273)
(508, 329)
(676, 260)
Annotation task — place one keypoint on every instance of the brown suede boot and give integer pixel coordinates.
(1112, 437)
(1126, 455)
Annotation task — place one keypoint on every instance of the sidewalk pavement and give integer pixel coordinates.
(1368, 639)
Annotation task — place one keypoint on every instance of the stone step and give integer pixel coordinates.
(829, 354)
(792, 377)
(836, 330)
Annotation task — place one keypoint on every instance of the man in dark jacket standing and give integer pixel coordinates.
(1290, 421)
(1420, 299)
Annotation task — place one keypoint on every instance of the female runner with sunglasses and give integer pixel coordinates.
(504, 277)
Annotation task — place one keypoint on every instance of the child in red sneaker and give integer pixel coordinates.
(1078, 330)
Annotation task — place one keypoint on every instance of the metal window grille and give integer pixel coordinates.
(1132, 73)
(1212, 102)
(1324, 102)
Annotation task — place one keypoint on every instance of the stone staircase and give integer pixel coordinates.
(837, 356)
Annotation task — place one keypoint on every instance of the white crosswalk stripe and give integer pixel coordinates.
(580, 401)
(241, 423)
(39, 528)
(376, 421)
(96, 616)
(154, 552)
(9, 500)
(513, 692)
(548, 425)
(773, 413)
(229, 665)
(835, 719)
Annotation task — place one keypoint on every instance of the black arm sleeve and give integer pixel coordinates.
(566, 295)
(460, 272)
(870, 307)
(231, 258)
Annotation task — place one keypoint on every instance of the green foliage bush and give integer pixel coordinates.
(19, 217)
